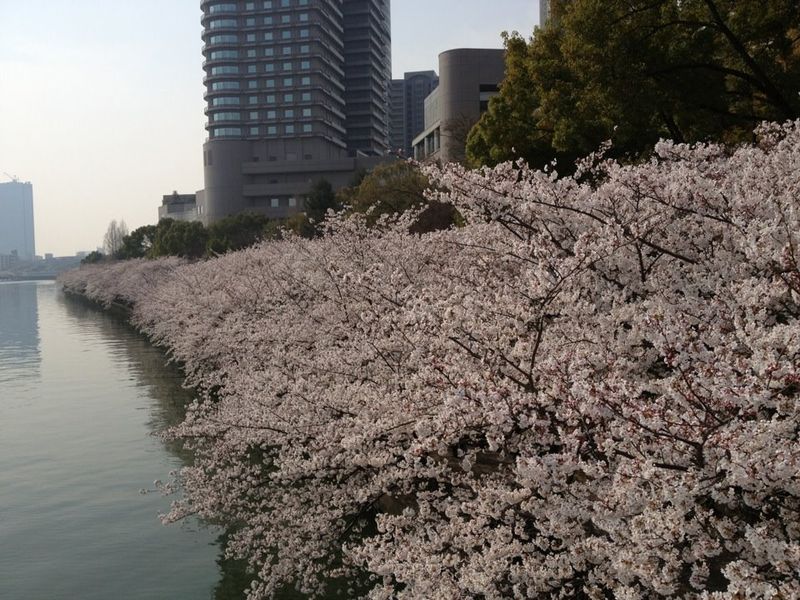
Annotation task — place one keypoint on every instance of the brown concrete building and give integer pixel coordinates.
(468, 78)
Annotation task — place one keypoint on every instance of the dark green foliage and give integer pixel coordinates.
(236, 233)
(320, 200)
(396, 188)
(137, 244)
(93, 258)
(180, 238)
(635, 71)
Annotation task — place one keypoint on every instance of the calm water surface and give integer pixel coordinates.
(80, 397)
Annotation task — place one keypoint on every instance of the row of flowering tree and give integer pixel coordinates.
(591, 390)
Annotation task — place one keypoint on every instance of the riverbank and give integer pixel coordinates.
(561, 397)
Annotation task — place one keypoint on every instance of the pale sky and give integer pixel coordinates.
(101, 101)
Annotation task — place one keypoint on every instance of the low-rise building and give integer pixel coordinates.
(180, 207)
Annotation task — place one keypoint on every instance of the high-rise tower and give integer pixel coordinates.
(16, 220)
(296, 90)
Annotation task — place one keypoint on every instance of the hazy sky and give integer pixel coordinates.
(101, 101)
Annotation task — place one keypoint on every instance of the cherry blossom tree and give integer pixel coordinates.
(589, 391)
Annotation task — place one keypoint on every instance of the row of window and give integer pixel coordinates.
(254, 115)
(268, 99)
(251, 38)
(303, 65)
(252, 22)
(267, 52)
(231, 7)
(253, 84)
(269, 130)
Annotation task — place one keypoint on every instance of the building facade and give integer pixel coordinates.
(544, 12)
(179, 207)
(16, 221)
(407, 108)
(296, 90)
(468, 78)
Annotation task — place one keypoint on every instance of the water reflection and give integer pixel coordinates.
(19, 331)
(163, 383)
(81, 395)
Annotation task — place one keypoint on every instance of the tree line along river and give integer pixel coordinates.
(81, 395)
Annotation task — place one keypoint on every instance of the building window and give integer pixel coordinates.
(269, 51)
(288, 97)
(287, 50)
(269, 67)
(287, 66)
(267, 20)
(285, 3)
(292, 201)
(251, 53)
(305, 49)
(220, 23)
(288, 129)
(222, 8)
(227, 116)
(305, 81)
(275, 202)
(250, 37)
(223, 39)
(288, 81)
(302, 17)
(286, 19)
(270, 83)
(268, 36)
(252, 84)
(305, 64)
(289, 113)
(270, 98)
(250, 22)
(272, 130)
(306, 127)
(286, 34)
(223, 54)
(306, 112)
(226, 101)
(271, 114)
(306, 96)
(251, 69)
(253, 115)
(225, 85)
(267, 3)
(226, 132)
(304, 33)
(254, 131)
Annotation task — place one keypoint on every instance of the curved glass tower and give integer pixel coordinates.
(296, 90)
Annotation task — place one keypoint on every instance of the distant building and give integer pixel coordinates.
(544, 12)
(296, 90)
(468, 78)
(180, 207)
(16, 220)
(407, 108)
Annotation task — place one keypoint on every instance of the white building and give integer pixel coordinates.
(16, 220)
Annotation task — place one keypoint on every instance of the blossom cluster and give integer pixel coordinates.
(590, 390)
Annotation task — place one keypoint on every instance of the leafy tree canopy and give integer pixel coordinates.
(635, 71)
(396, 188)
(180, 238)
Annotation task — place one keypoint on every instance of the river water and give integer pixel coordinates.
(81, 395)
